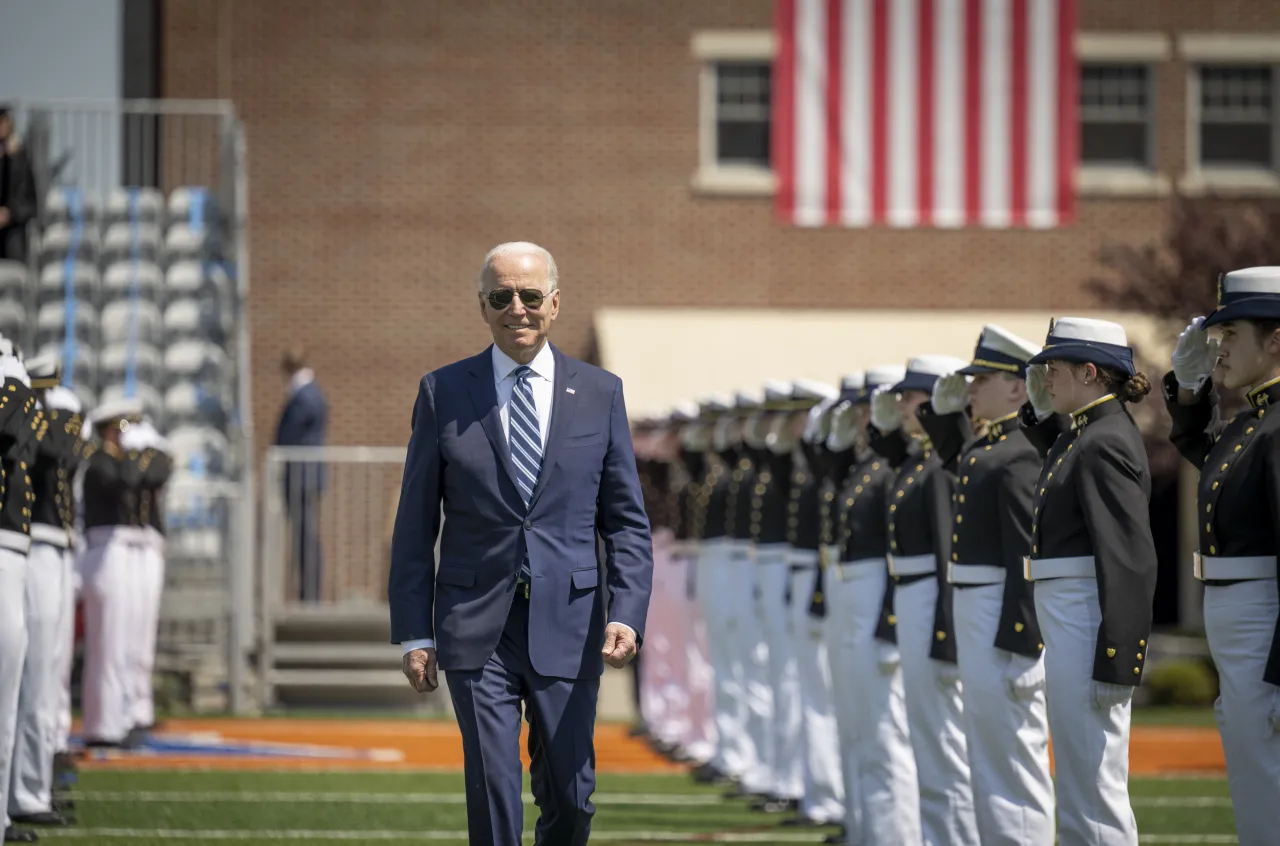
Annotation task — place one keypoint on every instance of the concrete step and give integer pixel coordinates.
(378, 656)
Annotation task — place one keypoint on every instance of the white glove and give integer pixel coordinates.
(885, 415)
(946, 674)
(1194, 356)
(843, 430)
(887, 658)
(1107, 695)
(136, 437)
(63, 399)
(1038, 391)
(11, 367)
(951, 394)
(1024, 675)
(818, 423)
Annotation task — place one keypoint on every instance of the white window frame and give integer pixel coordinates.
(710, 49)
(1218, 48)
(1148, 49)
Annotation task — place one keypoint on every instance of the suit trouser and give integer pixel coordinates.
(757, 674)
(699, 739)
(108, 569)
(31, 776)
(788, 758)
(1240, 621)
(561, 715)
(936, 714)
(823, 798)
(13, 649)
(886, 808)
(64, 652)
(1090, 744)
(725, 600)
(149, 590)
(1007, 737)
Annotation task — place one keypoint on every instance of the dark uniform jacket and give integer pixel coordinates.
(919, 523)
(742, 480)
(114, 483)
(22, 428)
(58, 457)
(716, 487)
(1238, 500)
(995, 479)
(770, 498)
(1092, 499)
(154, 468)
(830, 469)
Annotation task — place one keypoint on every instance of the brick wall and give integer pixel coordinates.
(392, 142)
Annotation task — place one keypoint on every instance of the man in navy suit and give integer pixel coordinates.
(304, 422)
(528, 453)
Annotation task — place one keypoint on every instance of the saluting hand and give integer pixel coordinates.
(885, 415)
(951, 394)
(619, 645)
(419, 667)
(1038, 391)
(1194, 356)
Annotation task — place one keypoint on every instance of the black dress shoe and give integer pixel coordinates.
(67, 804)
(804, 822)
(103, 744)
(837, 838)
(20, 835)
(52, 818)
(777, 806)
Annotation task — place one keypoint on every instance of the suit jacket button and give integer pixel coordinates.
(528, 525)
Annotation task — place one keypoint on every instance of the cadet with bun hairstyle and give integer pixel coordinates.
(1092, 563)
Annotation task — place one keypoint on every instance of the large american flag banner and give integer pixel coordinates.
(925, 112)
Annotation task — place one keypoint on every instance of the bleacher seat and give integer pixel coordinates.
(114, 361)
(60, 240)
(196, 361)
(13, 320)
(52, 286)
(13, 279)
(191, 204)
(125, 319)
(51, 324)
(183, 241)
(152, 404)
(58, 206)
(188, 319)
(203, 447)
(189, 404)
(122, 277)
(148, 207)
(129, 242)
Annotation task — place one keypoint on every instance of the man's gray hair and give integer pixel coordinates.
(520, 248)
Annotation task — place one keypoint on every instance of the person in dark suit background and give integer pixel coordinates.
(17, 191)
(304, 422)
(528, 453)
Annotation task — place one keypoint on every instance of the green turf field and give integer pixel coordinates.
(142, 808)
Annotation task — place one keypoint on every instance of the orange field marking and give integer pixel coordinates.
(436, 744)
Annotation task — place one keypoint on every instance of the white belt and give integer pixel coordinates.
(15, 541)
(712, 543)
(861, 569)
(975, 574)
(803, 558)
(912, 565)
(49, 535)
(103, 535)
(772, 553)
(1234, 569)
(1081, 567)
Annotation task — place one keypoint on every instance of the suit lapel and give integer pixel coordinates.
(563, 406)
(484, 396)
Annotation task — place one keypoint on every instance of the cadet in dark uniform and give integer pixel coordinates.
(998, 643)
(1239, 503)
(47, 593)
(1094, 566)
(920, 529)
(21, 425)
(882, 799)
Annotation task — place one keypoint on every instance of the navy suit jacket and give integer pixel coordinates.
(305, 418)
(458, 463)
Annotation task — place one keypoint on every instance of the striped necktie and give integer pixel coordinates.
(525, 440)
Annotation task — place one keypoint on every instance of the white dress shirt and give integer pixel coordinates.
(542, 381)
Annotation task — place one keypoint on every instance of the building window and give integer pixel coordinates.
(1237, 116)
(1116, 115)
(742, 113)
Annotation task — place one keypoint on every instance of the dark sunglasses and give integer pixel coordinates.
(501, 298)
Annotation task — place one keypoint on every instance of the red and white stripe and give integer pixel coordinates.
(925, 112)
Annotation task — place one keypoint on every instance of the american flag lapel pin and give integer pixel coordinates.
(569, 391)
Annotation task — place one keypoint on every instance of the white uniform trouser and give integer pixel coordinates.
(726, 613)
(1240, 621)
(13, 649)
(64, 652)
(823, 786)
(788, 759)
(886, 807)
(149, 582)
(31, 776)
(1007, 736)
(699, 739)
(1090, 744)
(109, 568)
(936, 714)
(662, 694)
(757, 677)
